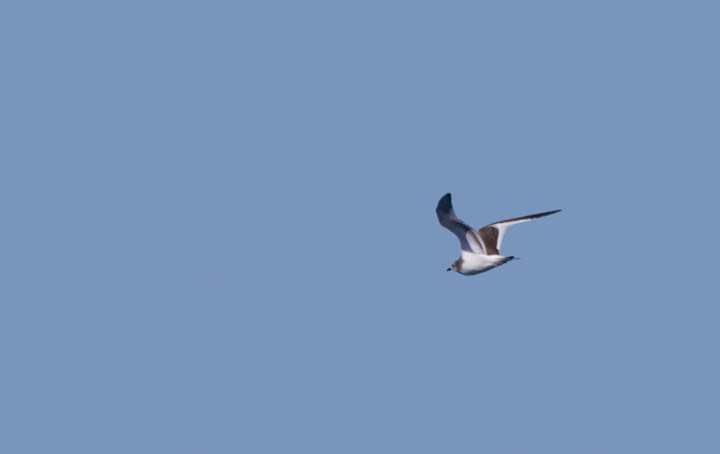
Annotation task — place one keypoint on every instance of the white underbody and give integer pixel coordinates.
(479, 263)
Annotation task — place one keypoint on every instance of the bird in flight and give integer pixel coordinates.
(480, 248)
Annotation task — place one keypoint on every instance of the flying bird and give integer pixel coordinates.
(480, 248)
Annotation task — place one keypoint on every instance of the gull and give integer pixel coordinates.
(480, 248)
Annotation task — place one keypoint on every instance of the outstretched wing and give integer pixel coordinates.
(492, 235)
(469, 241)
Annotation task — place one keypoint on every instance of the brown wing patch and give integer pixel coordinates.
(489, 236)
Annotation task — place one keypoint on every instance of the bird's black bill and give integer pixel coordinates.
(449, 269)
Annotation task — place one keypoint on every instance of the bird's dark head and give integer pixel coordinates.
(456, 266)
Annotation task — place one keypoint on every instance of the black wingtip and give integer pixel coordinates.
(445, 203)
(547, 213)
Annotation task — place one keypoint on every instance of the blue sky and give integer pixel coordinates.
(218, 229)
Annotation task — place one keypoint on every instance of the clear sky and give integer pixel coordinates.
(218, 229)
